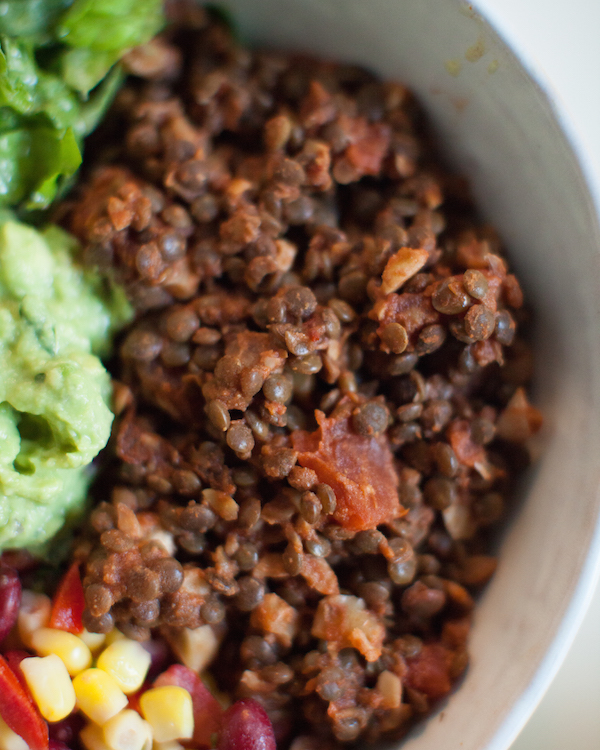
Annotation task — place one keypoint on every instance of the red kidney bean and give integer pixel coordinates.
(19, 559)
(65, 733)
(10, 599)
(246, 726)
(159, 654)
(56, 745)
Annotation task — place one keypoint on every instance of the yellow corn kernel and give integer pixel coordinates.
(92, 737)
(149, 740)
(50, 685)
(113, 635)
(127, 661)
(149, 743)
(10, 740)
(34, 613)
(127, 731)
(148, 737)
(172, 745)
(71, 649)
(98, 695)
(93, 641)
(169, 712)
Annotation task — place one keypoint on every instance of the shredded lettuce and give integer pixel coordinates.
(110, 24)
(20, 18)
(98, 31)
(58, 74)
(32, 160)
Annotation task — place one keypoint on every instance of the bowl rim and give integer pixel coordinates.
(589, 577)
(504, 728)
(548, 92)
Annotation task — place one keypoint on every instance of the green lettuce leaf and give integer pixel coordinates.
(21, 18)
(60, 155)
(33, 162)
(28, 90)
(110, 24)
(15, 166)
(99, 31)
(58, 74)
(83, 68)
(90, 112)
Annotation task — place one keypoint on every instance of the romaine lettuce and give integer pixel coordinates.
(57, 76)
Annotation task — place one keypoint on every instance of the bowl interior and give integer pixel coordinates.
(498, 128)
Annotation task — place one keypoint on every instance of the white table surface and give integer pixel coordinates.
(561, 43)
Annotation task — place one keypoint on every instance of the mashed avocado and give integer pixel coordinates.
(54, 417)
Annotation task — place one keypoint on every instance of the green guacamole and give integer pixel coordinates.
(54, 392)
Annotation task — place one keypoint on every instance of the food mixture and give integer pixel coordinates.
(320, 410)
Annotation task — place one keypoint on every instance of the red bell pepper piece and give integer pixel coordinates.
(68, 603)
(208, 713)
(14, 659)
(19, 711)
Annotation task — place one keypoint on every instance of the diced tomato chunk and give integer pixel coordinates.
(370, 147)
(467, 450)
(429, 671)
(359, 469)
(456, 632)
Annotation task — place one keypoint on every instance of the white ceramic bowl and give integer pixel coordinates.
(499, 129)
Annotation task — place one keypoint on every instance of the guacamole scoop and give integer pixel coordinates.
(55, 319)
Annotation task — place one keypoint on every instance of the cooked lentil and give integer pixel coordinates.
(307, 451)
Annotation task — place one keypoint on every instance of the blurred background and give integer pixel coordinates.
(560, 41)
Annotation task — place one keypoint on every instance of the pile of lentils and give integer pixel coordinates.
(320, 401)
